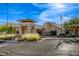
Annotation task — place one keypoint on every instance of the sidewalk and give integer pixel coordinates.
(60, 38)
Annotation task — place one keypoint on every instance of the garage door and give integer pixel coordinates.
(53, 33)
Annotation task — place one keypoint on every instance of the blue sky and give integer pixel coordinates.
(41, 12)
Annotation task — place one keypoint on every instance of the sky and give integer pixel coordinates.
(41, 12)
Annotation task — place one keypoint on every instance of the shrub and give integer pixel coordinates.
(31, 37)
(7, 36)
(20, 38)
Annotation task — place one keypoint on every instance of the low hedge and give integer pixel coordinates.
(31, 37)
(27, 37)
(7, 36)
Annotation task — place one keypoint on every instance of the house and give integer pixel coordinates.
(51, 28)
(25, 26)
(29, 26)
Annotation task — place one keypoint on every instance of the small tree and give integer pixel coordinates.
(7, 29)
(68, 25)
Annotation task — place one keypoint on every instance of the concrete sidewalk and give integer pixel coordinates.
(60, 38)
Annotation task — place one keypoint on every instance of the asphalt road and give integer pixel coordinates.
(40, 48)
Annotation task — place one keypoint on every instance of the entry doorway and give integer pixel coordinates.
(23, 29)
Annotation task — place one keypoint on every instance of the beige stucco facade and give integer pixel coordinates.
(53, 27)
(27, 27)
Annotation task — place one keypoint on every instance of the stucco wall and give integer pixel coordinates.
(29, 26)
(51, 27)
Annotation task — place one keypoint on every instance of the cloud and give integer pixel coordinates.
(52, 12)
(40, 5)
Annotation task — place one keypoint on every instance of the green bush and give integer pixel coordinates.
(31, 37)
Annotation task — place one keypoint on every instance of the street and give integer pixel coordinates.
(40, 48)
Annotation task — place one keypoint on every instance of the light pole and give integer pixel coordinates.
(61, 32)
(60, 8)
(7, 16)
(61, 22)
(6, 19)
